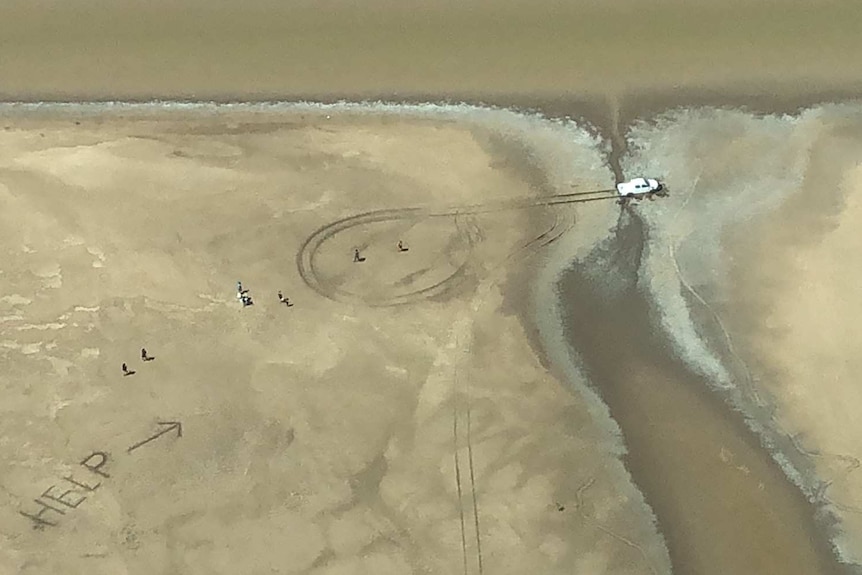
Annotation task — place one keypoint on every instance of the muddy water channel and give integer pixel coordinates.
(723, 505)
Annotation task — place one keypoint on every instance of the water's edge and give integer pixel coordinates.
(677, 431)
(614, 353)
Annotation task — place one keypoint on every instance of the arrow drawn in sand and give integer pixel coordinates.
(168, 426)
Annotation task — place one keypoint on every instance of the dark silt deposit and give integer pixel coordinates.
(723, 505)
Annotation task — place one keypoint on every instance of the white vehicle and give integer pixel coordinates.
(640, 188)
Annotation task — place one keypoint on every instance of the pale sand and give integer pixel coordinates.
(795, 306)
(330, 437)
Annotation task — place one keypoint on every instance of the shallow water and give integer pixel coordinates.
(722, 505)
(203, 49)
(730, 169)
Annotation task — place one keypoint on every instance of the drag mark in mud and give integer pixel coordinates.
(305, 258)
(533, 246)
(851, 463)
(619, 145)
(579, 505)
(672, 248)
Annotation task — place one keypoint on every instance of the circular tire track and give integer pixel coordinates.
(305, 257)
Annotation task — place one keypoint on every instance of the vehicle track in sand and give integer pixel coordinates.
(459, 488)
(309, 272)
(473, 496)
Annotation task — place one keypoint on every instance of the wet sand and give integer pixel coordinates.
(722, 506)
(724, 256)
(559, 58)
(344, 434)
(799, 338)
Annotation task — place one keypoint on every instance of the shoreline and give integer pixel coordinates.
(654, 397)
(316, 106)
(606, 115)
(600, 109)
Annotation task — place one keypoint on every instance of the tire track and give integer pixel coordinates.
(305, 258)
(458, 485)
(473, 492)
(538, 241)
(579, 505)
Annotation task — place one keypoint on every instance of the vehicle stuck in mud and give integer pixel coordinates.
(640, 188)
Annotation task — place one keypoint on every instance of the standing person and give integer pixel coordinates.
(144, 355)
(239, 287)
(125, 369)
(356, 257)
(401, 247)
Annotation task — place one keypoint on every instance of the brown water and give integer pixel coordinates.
(722, 505)
(217, 49)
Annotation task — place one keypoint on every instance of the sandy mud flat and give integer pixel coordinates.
(343, 434)
(439, 408)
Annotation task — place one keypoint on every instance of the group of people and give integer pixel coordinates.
(283, 299)
(243, 295)
(144, 357)
(358, 258)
